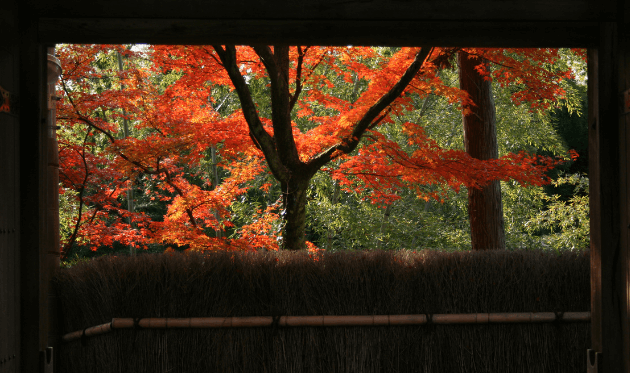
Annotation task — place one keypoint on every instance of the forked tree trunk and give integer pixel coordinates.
(480, 139)
(280, 149)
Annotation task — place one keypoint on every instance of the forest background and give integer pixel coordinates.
(155, 154)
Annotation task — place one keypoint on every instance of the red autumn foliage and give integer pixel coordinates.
(178, 120)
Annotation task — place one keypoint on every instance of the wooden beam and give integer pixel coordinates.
(436, 10)
(318, 32)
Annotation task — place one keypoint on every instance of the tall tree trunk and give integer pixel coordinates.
(294, 213)
(379, 238)
(214, 173)
(335, 200)
(130, 198)
(480, 139)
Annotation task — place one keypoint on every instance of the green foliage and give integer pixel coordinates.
(564, 224)
(67, 211)
(341, 220)
(572, 126)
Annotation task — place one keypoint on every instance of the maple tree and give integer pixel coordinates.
(289, 123)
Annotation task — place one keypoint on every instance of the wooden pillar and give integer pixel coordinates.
(609, 148)
(622, 279)
(33, 196)
(9, 193)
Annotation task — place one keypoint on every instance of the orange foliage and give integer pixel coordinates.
(178, 123)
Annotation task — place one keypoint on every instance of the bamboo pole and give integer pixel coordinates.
(350, 320)
(92, 331)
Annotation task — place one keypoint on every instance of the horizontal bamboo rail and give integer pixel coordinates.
(351, 320)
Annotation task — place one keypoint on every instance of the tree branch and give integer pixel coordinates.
(145, 169)
(65, 252)
(263, 139)
(350, 143)
(277, 65)
(298, 77)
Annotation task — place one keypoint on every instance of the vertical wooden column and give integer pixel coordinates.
(609, 140)
(9, 195)
(622, 265)
(50, 254)
(33, 162)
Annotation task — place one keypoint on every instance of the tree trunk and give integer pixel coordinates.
(480, 139)
(214, 173)
(335, 201)
(130, 198)
(294, 214)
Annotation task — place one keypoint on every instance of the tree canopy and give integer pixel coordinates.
(212, 125)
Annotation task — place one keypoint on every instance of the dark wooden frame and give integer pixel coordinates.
(598, 25)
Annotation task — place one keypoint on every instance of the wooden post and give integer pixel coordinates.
(621, 269)
(609, 202)
(9, 194)
(621, 280)
(32, 171)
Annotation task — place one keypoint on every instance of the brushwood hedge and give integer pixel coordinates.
(219, 284)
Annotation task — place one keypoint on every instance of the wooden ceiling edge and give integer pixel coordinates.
(319, 32)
